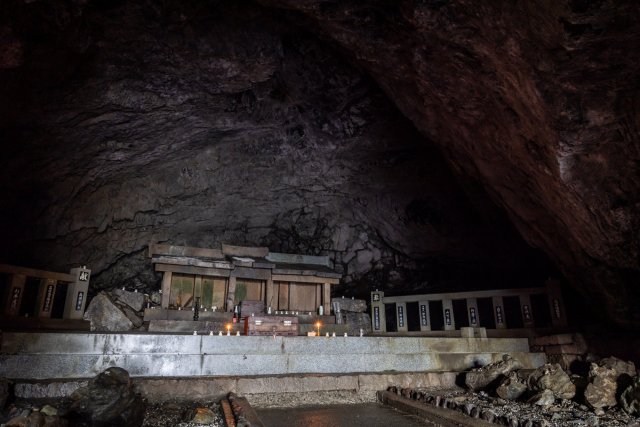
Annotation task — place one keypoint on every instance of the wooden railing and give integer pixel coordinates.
(20, 280)
(520, 313)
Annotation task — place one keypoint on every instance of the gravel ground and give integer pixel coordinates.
(178, 414)
(567, 413)
(291, 400)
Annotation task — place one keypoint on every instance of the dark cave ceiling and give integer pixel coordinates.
(423, 145)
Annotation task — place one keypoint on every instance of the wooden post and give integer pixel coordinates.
(378, 318)
(46, 293)
(166, 289)
(197, 289)
(232, 293)
(447, 313)
(76, 297)
(526, 311)
(472, 312)
(401, 317)
(425, 321)
(270, 295)
(326, 298)
(498, 312)
(15, 294)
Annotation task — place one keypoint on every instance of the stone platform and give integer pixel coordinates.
(40, 356)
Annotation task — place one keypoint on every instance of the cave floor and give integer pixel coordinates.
(366, 414)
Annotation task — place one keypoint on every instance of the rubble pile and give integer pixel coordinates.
(352, 313)
(505, 394)
(116, 310)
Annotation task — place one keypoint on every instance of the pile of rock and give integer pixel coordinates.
(107, 400)
(505, 394)
(609, 383)
(116, 310)
(352, 313)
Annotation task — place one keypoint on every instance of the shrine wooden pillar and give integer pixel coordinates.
(472, 312)
(498, 312)
(326, 298)
(447, 314)
(46, 293)
(425, 321)
(269, 295)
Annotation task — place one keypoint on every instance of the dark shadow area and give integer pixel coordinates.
(391, 318)
(512, 312)
(460, 315)
(29, 304)
(413, 316)
(57, 311)
(436, 315)
(541, 311)
(485, 312)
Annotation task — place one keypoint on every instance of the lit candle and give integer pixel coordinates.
(318, 324)
(228, 329)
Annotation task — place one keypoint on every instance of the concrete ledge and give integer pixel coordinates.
(50, 356)
(208, 388)
(136, 343)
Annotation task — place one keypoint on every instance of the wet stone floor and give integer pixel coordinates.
(364, 414)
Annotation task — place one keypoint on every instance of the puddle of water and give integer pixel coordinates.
(366, 414)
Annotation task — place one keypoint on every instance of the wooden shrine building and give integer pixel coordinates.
(222, 278)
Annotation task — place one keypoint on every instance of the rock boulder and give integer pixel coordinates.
(601, 391)
(105, 315)
(357, 321)
(552, 377)
(350, 305)
(630, 398)
(135, 300)
(108, 400)
(489, 375)
(512, 387)
(620, 366)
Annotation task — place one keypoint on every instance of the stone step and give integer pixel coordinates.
(135, 343)
(50, 356)
(208, 388)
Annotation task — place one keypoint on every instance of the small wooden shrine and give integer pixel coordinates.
(220, 279)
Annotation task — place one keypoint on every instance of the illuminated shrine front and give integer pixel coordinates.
(219, 279)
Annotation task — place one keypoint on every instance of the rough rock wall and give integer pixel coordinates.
(196, 123)
(538, 100)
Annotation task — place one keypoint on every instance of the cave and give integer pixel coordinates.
(421, 146)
